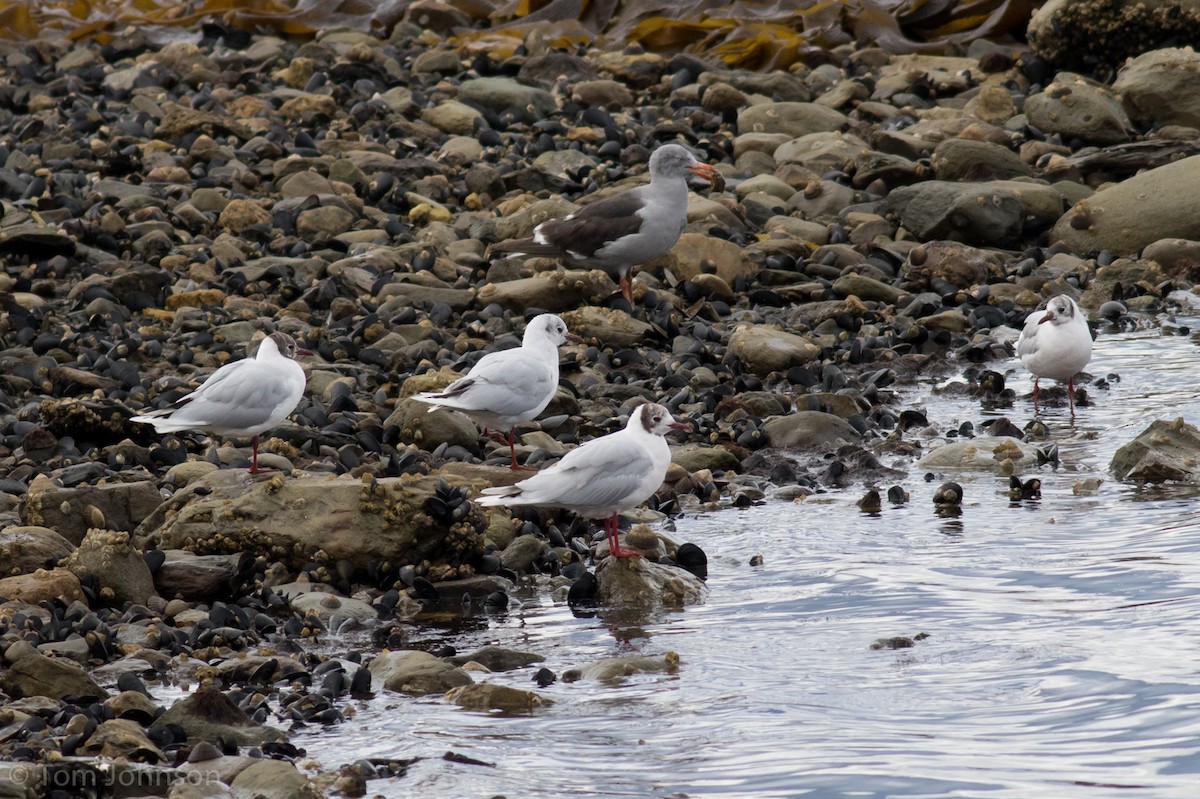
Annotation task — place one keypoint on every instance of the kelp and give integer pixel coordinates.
(759, 34)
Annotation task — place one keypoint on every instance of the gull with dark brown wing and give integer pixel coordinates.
(618, 233)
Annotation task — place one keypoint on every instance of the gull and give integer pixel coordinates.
(603, 477)
(627, 229)
(511, 386)
(243, 398)
(1056, 344)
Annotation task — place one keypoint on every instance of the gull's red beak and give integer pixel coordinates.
(1049, 317)
(301, 351)
(707, 172)
(679, 426)
(573, 338)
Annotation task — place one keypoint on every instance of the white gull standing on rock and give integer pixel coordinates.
(511, 386)
(603, 477)
(1056, 343)
(243, 398)
(627, 229)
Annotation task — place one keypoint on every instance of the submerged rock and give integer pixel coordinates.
(209, 715)
(489, 696)
(1002, 454)
(642, 583)
(413, 672)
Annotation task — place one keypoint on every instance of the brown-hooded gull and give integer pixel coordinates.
(603, 477)
(1056, 343)
(243, 398)
(505, 388)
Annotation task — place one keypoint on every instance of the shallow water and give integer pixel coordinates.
(1063, 657)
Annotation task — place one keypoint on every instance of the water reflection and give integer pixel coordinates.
(1061, 657)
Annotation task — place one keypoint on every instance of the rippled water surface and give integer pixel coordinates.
(1063, 657)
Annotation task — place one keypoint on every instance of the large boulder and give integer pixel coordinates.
(1082, 33)
(43, 585)
(428, 427)
(1162, 87)
(1077, 108)
(644, 584)
(209, 715)
(1123, 218)
(763, 349)
(1002, 454)
(808, 430)
(273, 779)
(31, 673)
(1163, 451)
(26, 549)
(71, 512)
(362, 524)
(973, 213)
(118, 567)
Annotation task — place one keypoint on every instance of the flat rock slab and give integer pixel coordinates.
(298, 519)
(1163, 451)
(72, 511)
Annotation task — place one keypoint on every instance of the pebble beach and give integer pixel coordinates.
(171, 196)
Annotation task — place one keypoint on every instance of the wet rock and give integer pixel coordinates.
(364, 523)
(606, 326)
(498, 658)
(1001, 454)
(412, 672)
(1125, 217)
(428, 428)
(43, 585)
(1164, 451)
(31, 673)
(521, 553)
(808, 430)
(273, 779)
(209, 715)
(763, 349)
(973, 213)
(958, 264)
(641, 583)
(119, 569)
(26, 549)
(488, 696)
(326, 606)
(618, 668)
(71, 511)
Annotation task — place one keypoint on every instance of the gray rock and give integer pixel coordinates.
(699, 253)
(31, 673)
(71, 511)
(1076, 108)
(427, 427)
(328, 220)
(970, 160)
(790, 118)
(1164, 451)
(1000, 454)
(364, 524)
(866, 288)
(327, 606)
(198, 578)
(974, 213)
(413, 672)
(1123, 218)
(489, 696)
(521, 553)
(209, 715)
(559, 165)
(43, 585)
(644, 584)
(26, 549)
(504, 94)
(808, 430)
(122, 573)
(497, 658)
(602, 93)
(1162, 87)
(122, 738)
(763, 349)
(822, 152)
(273, 779)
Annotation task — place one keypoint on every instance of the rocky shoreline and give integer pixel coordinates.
(888, 217)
